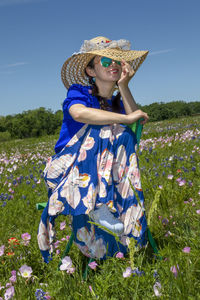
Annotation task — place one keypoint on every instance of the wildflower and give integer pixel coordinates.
(182, 182)
(13, 278)
(93, 265)
(9, 293)
(198, 211)
(13, 241)
(70, 270)
(165, 221)
(66, 263)
(178, 171)
(175, 270)
(2, 248)
(26, 238)
(120, 255)
(160, 187)
(137, 272)
(62, 225)
(25, 271)
(170, 176)
(168, 233)
(127, 272)
(186, 250)
(156, 288)
(40, 294)
(10, 254)
(92, 292)
(155, 274)
(56, 244)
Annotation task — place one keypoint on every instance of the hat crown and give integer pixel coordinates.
(100, 39)
(101, 42)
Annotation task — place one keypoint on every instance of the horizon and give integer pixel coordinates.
(47, 108)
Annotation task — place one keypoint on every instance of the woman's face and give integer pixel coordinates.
(111, 74)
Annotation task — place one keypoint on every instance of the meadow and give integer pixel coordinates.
(169, 158)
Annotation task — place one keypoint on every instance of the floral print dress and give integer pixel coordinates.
(98, 165)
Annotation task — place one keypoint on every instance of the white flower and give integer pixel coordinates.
(66, 264)
(127, 272)
(156, 288)
(25, 271)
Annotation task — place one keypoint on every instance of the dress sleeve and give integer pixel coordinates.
(75, 95)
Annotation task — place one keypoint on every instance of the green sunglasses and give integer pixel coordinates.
(106, 62)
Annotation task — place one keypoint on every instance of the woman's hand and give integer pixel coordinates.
(126, 75)
(136, 115)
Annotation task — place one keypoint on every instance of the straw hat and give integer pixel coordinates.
(73, 70)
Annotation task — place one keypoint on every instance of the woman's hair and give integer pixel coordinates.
(115, 107)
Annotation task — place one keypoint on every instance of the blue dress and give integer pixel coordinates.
(94, 164)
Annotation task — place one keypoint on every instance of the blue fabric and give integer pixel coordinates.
(95, 167)
(77, 94)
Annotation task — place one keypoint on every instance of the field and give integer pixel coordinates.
(169, 158)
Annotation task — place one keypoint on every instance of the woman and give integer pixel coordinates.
(89, 177)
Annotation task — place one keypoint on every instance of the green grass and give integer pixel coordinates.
(167, 148)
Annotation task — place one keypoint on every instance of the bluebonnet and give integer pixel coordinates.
(40, 294)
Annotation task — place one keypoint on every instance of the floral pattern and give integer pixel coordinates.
(96, 166)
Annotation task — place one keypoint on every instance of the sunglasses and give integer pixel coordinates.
(106, 62)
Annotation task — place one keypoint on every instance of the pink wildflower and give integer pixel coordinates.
(2, 248)
(26, 238)
(9, 293)
(186, 250)
(198, 211)
(56, 244)
(70, 270)
(120, 255)
(66, 264)
(62, 225)
(170, 176)
(127, 272)
(182, 182)
(178, 179)
(13, 278)
(175, 270)
(93, 265)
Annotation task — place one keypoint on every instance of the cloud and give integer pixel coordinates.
(161, 51)
(17, 64)
(16, 2)
(11, 68)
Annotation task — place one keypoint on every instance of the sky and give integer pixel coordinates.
(37, 36)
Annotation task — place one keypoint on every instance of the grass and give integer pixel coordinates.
(169, 161)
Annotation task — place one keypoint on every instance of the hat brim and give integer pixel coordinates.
(73, 69)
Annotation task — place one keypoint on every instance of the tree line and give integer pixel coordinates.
(42, 121)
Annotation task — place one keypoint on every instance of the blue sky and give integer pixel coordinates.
(37, 36)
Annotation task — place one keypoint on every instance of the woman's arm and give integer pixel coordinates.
(83, 114)
(127, 98)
